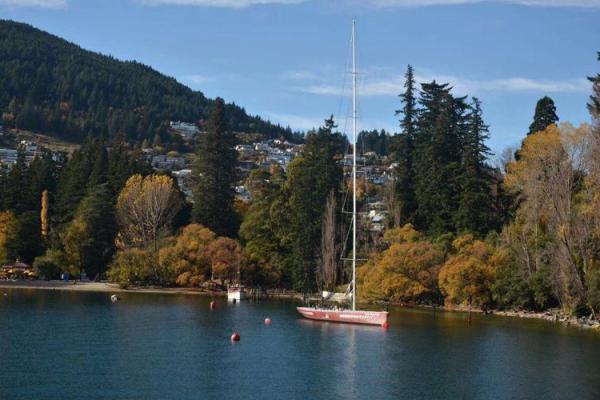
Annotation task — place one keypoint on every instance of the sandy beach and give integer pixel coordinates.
(106, 287)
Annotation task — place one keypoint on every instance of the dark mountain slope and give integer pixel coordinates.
(50, 85)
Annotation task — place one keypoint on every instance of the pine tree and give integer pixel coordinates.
(476, 212)
(594, 104)
(216, 175)
(96, 241)
(545, 115)
(403, 148)
(438, 158)
(71, 186)
(17, 193)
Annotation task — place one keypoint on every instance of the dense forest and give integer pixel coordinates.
(50, 85)
(521, 234)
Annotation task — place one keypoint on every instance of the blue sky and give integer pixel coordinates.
(288, 60)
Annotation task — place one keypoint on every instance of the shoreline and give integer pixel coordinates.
(552, 315)
(100, 287)
(108, 287)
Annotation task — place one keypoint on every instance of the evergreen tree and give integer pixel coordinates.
(545, 115)
(594, 104)
(72, 186)
(475, 212)
(403, 148)
(124, 163)
(96, 239)
(17, 191)
(438, 158)
(311, 177)
(264, 240)
(99, 172)
(373, 141)
(216, 175)
(29, 244)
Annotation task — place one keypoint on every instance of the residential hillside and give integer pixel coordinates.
(52, 86)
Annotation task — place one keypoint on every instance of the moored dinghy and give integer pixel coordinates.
(236, 292)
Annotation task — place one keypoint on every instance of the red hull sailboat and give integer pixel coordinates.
(352, 315)
(346, 316)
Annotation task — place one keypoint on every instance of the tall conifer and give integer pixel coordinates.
(438, 157)
(475, 212)
(594, 104)
(215, 172)
(403, 148)
(545, 115)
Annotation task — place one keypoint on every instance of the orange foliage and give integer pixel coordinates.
(198, 255)
(44, 213)
(188, 257)
(225, 255)
(467, 276)
(407, 270)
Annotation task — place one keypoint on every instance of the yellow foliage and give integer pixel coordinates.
(467, 276)
(407, 233)
(145, 208)
(71, 240)
(44, 213)
(188, 257)
(406, 271)
(8, 230)
(197, 254)
(538, 151)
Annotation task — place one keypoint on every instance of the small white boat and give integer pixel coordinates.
(236, 293)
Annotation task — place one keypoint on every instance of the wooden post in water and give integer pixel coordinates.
(469, 319)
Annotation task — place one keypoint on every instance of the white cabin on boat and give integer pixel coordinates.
(236, 292)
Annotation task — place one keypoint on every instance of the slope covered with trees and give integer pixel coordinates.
(50, 85)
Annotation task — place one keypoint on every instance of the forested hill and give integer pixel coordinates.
(50, 85)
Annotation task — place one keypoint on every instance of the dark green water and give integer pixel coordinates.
(60, 345)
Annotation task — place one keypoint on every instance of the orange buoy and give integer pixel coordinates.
(213, 305)
(385, 325)
(235, 337)
(267, 321)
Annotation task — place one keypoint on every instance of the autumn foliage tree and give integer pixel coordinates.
(226, 256)
(557, 181)
(145, 209)
(8, 231)
(188, 257)
(466, 278)
(406, 271)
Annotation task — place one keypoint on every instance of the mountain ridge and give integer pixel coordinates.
(54, 86)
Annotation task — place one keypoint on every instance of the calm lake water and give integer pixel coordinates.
(61, 345)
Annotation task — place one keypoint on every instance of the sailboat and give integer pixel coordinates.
(351, 315)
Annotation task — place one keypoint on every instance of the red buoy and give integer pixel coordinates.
(385, 325)
(235, 337)
(267, 321)
(213, 305)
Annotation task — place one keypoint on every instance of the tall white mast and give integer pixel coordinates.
(354, 165)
